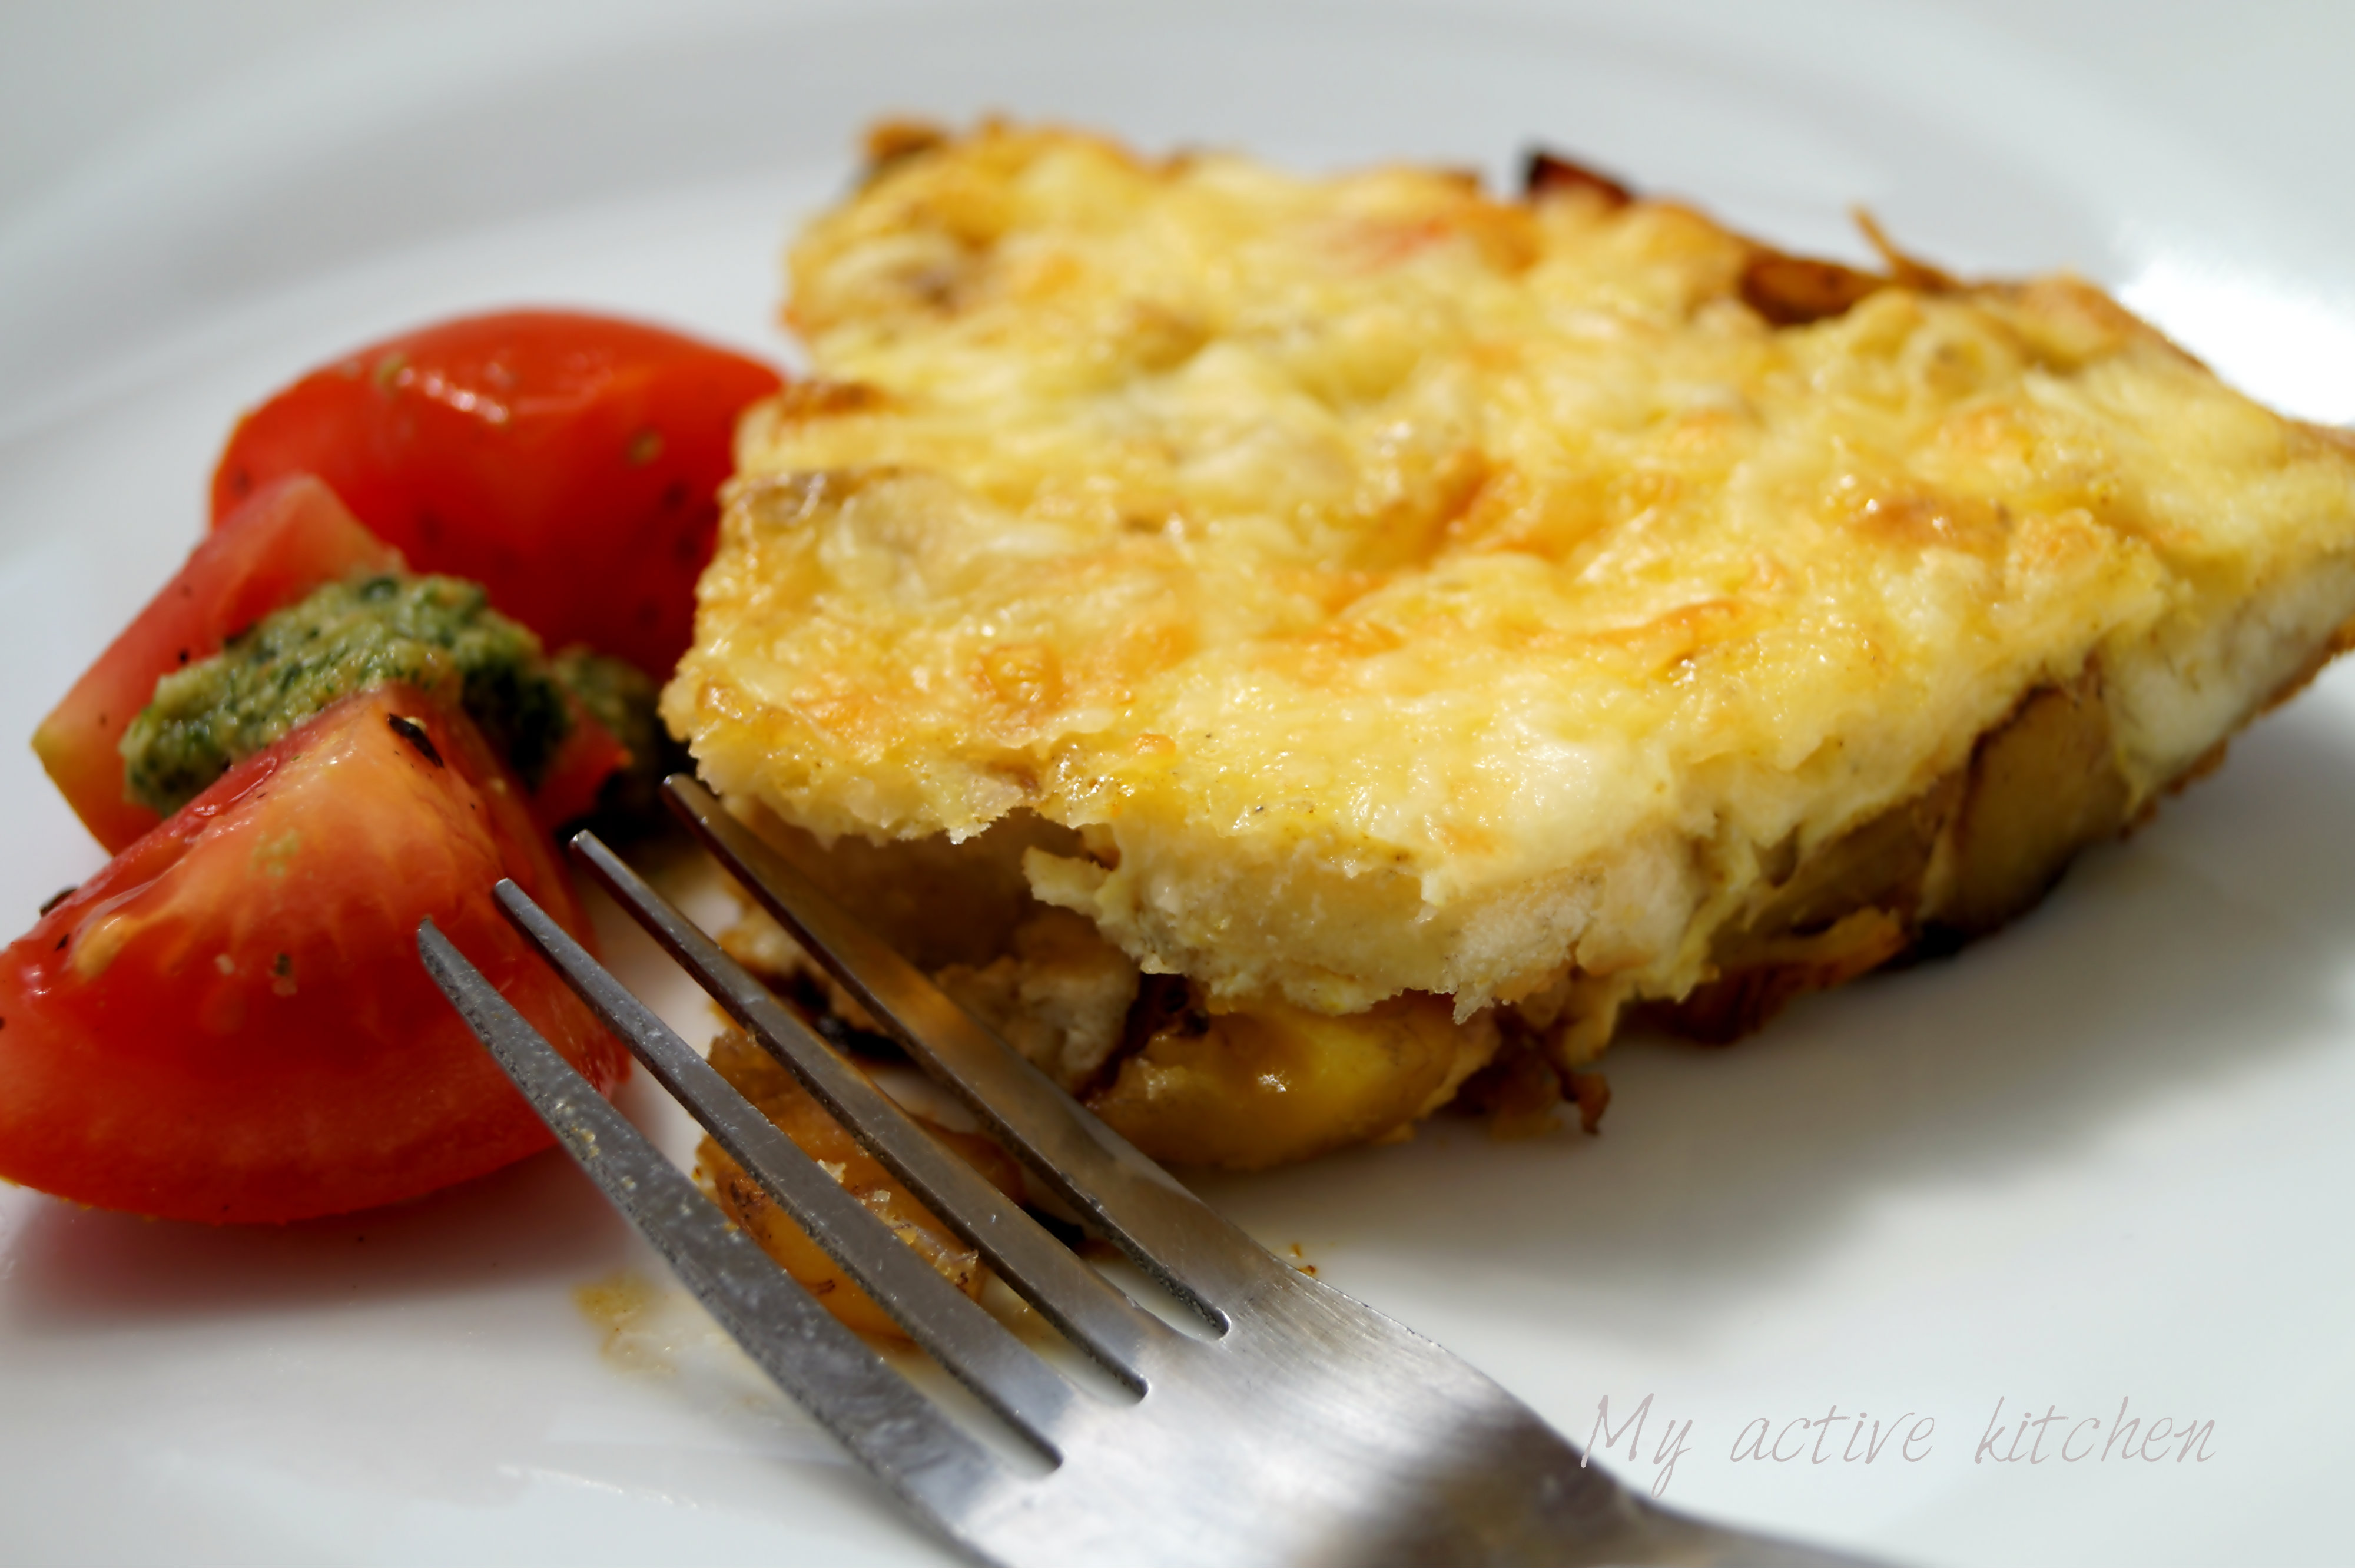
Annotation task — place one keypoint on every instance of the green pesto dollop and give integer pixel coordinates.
(438, 634)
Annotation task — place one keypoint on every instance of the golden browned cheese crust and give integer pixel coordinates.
(1406, 594)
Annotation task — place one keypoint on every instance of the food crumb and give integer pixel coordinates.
(1590, 1092)
(625, 1306)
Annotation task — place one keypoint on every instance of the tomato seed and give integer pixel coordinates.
(410, 730)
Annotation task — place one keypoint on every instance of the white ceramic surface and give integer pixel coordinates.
(2100, 1157)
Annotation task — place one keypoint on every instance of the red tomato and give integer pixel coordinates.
(229, 1022)
(289, 538)
(567, 463)
(589, 755)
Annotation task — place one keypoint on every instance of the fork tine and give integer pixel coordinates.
(1074, 1297)
(873, 1411)
(1163, 1229)
(975, 1347)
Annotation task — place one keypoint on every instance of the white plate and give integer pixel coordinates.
(2100, 1157)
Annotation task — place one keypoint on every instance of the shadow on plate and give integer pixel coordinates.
(2216, 945)
(70, 1270)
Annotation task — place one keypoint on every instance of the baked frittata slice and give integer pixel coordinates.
(1341, 633)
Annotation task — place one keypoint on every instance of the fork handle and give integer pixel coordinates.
(1519, 1495)
(1684, 1540)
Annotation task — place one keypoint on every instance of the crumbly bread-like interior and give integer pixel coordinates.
(1542, 606)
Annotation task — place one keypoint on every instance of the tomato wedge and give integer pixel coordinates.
(229, 1022)
(289, 538)
(567, 463)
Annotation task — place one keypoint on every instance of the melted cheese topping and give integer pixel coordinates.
(1406, 591)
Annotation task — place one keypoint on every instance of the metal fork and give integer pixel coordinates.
(1298, 1427)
